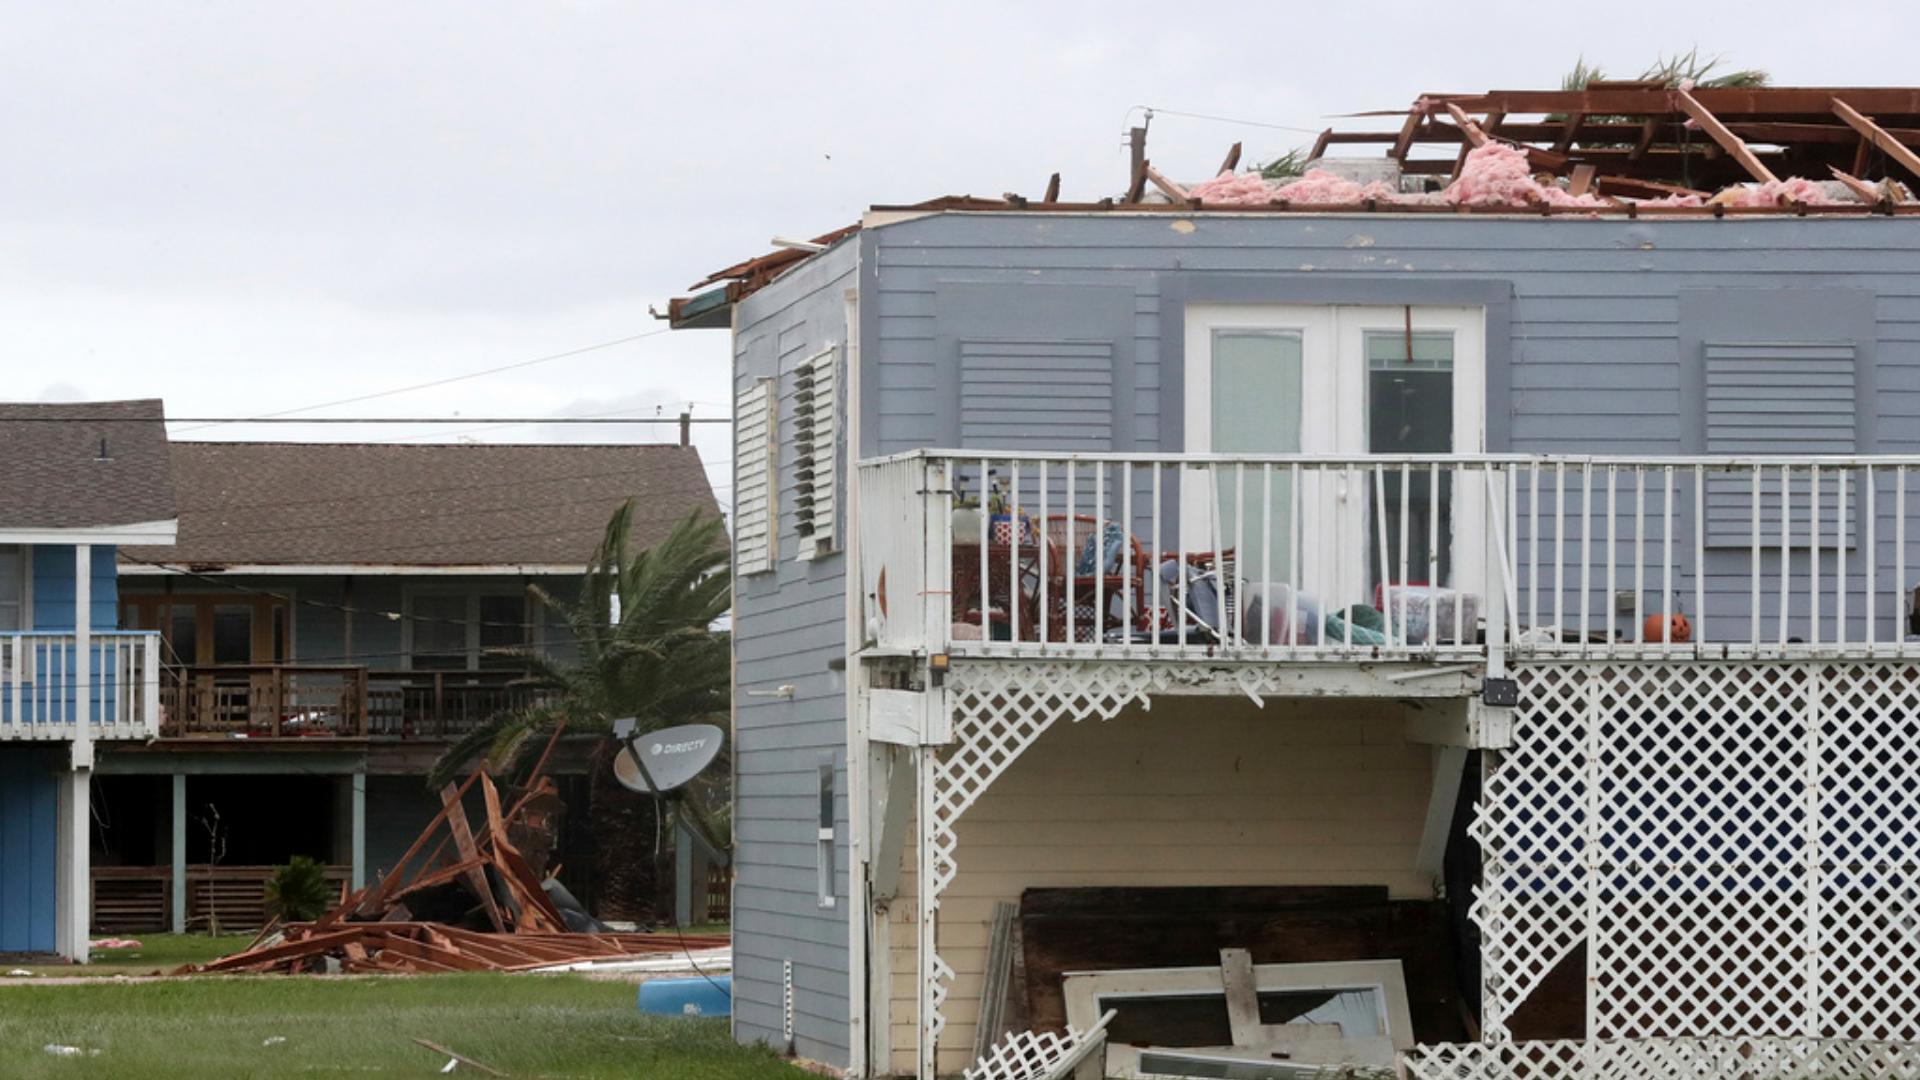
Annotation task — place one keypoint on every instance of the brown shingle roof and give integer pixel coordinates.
(368, 504)
(53, 474)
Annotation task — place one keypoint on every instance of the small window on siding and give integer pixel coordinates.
(754, 523)
(1789, 399)
(815, 431)
(825, 836)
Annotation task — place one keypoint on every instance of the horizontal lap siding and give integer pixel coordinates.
(1190, 793)
(788, 630)
(1602, 344)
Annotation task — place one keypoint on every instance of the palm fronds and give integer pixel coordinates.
(642, 629)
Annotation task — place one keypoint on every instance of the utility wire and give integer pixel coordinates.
(482, 373)
(1158, 111)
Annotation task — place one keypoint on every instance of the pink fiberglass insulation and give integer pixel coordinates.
(1234, 189)
(1317, 188)
(1322, 188)
(1777, 193)
(1498, 175)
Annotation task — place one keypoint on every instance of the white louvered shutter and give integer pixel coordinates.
(816, 425)
(754, 523)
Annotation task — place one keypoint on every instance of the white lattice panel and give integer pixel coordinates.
(1734, 845)
(1668, 1059)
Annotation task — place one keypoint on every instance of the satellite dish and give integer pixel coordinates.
(674, 756)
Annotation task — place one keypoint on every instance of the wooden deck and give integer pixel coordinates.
(302, 701)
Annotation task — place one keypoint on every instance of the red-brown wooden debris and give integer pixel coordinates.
(516, 926)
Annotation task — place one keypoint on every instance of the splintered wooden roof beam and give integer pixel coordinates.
(1467, 127)
(1877, 135)
(1727, 140)
(1862, 190)
(1405, 138)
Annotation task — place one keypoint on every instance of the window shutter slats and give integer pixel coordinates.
(816, 436)
(753, 456)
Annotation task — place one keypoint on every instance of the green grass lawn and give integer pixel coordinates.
(529, 1026)
(157, 952)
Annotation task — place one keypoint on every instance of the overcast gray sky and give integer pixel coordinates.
(249, 207)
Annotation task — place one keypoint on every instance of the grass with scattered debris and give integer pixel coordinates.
(157, 953)
(275, 1026)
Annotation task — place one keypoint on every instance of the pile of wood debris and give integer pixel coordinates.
(481, 902)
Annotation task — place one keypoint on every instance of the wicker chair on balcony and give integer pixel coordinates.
(1093, 565)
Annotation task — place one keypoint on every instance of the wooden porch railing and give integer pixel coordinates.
(280, 701)
(139, 899)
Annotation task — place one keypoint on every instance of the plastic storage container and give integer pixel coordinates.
(688, 997)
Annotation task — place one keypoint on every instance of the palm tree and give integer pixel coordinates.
(1671, 71)
(643, 628)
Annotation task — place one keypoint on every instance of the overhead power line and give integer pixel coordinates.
(482, 373)
(211, 420)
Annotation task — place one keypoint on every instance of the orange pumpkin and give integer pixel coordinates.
(1671, 628)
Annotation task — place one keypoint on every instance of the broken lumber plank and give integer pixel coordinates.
(1243, 998)
(444, 875)
(1470, 130)
(377, 898)
(1642, 189)
(1861, 190)
(1404, 141)
(1582, 179)
(1053, 189)
(1232, 161)
(1877, 135)
(308, 946)
(422, 952)
(461, 1058)
(535, 906)
(469, 854)
(1727, 140)
(1167, 187)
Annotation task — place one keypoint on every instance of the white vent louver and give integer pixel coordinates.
(753, 457)
(815, 426)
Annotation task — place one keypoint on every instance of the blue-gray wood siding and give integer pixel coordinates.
(28, 839)
(1596, 343)
(789, 626)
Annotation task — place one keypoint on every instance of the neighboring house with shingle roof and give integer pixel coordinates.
(76, 479)
(331, 615)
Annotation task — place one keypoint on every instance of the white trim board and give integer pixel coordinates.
(134, 533)
(140, 569)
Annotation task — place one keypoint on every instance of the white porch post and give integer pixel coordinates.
(358, 783)
(177, 884)
(74, 891)
(83, 689)
(72, 887)
(923, 892)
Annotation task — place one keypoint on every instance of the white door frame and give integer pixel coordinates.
(1319, 427)
(1334, 372)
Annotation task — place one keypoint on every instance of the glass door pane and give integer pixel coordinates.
(233, 633)
(1410, 411)
(1256, 410)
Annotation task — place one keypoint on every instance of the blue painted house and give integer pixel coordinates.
(80, 480)
(1510, 607)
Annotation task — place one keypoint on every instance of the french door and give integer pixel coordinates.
(1339, 381)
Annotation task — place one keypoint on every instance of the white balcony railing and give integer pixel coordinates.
(1462, 558)
(43, 695)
